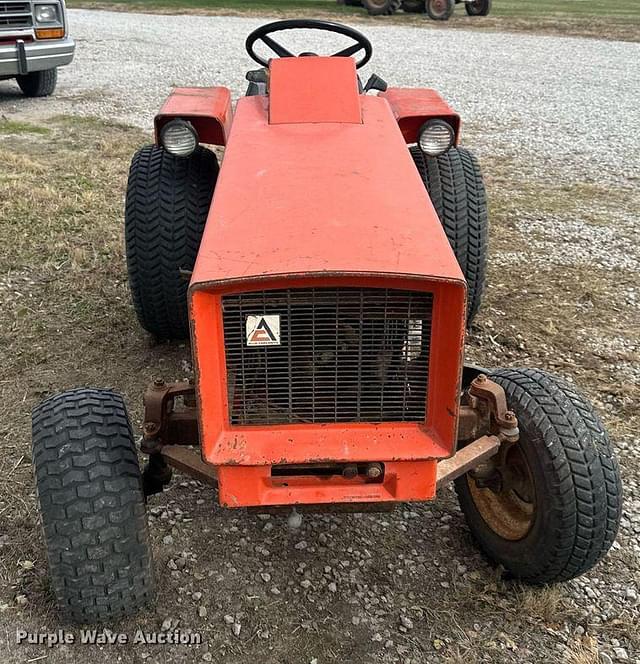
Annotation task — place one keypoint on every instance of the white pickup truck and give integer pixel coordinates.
(34, 42)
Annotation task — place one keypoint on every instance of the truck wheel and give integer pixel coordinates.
(552, 509)
(93, 513)
(381, 7)
(478, 7)
(168, 200)
(440, 10)
(456, 189)
(38, 83)
(414, 6)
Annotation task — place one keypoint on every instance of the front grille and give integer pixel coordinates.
(15, 15)
(340, 355)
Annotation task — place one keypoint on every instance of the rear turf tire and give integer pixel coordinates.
(414, 6)
(478, 7)
(574, 494)
(93, 512)
(168, 200)
(381, 7)
(456, 189)
(440, 10)
(38, 83)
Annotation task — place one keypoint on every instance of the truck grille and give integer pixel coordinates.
(15, 15)
(339, 355)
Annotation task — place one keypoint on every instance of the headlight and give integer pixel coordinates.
(179, 138)
(435, 137)
(46, 14)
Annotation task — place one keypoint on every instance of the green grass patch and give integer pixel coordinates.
(237, 5)
(15, 127)
(543, 9)
(627, 9)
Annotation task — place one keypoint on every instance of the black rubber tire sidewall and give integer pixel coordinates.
(92, 507)
(564, 443)
(386, 9)
(444, 16)
(482, 10)
(167, 205)
(38, 83)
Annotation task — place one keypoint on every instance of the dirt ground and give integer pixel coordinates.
(404, 587)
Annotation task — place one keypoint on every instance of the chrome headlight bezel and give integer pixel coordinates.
(179, 138)
(435, 137)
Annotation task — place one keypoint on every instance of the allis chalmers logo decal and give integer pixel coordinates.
(263, 330)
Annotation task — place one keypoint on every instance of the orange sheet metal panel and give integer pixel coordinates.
(208, 110)
(325, 205)
(413, 107)
(223, 444)
(320, 198)
(313, 89)
(241, 486)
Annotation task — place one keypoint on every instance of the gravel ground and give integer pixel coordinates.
(570, 100)
(546, 114)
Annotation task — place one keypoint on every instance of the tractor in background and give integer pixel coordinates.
(438, 10)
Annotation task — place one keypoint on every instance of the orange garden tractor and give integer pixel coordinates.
(325, 273)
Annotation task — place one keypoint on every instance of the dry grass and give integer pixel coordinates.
(548, 604)
(584, 651)
(62, 285)
(67, 321)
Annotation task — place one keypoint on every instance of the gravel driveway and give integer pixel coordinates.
(570, 100)
(555, 123)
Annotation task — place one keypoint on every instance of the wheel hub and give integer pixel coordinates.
(505, 498)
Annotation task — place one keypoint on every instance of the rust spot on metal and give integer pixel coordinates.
(467, 458)
(164, 423)
(486, 394)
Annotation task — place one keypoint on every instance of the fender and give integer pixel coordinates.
(207, 109)
(413, 107)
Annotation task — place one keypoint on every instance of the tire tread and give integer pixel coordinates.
(93, 514)
(585, 499)
(455, 186)
(167, 204)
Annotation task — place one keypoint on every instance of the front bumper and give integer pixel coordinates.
(26, 57)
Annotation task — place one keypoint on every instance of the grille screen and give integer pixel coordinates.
(322, 355)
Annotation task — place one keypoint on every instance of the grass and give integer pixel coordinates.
(627, 9)
(602, 19)
(506, 8)
(15, 127)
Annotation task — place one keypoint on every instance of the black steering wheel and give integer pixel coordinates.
(262, 34)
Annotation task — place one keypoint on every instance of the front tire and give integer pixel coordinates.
(555, 510)
(478, 7)
(381, 7)
(90, 493)
(440, 10)
(38, 83)
(168, 200)
(456, 189)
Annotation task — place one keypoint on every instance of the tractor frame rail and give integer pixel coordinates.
(170, 436)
